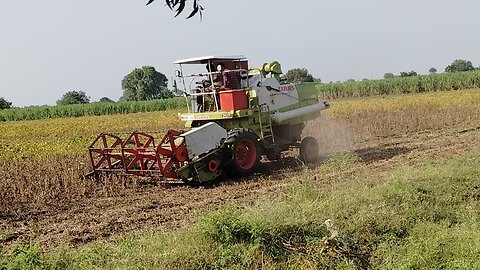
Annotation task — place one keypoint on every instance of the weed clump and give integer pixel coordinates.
(281, 240)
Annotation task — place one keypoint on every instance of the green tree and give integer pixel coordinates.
(298, 75)
(388, 75)
(459, 65)
(4, 104)
(105, 99)
(74, 97)
(179, 5)
(145, 83)
(408, 74)
(432, 70)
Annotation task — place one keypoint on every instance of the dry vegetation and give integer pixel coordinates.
(43, 160)
(405, 114)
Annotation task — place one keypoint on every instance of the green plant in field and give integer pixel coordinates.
(283, 230)
(437, 207)
(26, 257)
(3, 264)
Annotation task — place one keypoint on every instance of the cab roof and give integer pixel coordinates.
(205, 59)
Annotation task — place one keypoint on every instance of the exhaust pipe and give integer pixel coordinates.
(281, 117)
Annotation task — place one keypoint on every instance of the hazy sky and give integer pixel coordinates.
(50, 47)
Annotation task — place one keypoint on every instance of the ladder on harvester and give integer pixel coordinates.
(265, 122)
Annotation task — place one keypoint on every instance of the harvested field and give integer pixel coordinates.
(43, 198)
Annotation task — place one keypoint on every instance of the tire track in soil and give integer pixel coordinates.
(163, 208)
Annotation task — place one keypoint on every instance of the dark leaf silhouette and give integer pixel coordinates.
(195, 9)
(179, 7)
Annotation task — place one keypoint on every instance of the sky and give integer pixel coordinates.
(48, 48)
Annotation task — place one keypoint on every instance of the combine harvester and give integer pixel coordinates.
(235, 116)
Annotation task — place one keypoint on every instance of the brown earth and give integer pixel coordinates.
(159, 207)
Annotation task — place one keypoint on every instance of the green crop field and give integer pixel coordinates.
(96, 108)
(401, 85)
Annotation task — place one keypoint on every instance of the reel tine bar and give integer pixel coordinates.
(138, 154)
(103, 154)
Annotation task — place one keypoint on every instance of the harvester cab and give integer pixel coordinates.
(235, 115)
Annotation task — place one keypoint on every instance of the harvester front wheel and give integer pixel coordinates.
(246, 153)
(309, 150)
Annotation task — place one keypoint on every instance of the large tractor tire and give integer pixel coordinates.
(309, 150)
(246, 152)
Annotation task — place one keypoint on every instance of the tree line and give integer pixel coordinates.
(458, 65)
(146, 83)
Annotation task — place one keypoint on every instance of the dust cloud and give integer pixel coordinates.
(332, 135)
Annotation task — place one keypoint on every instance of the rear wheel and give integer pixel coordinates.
(246, 152)
(309, 150)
